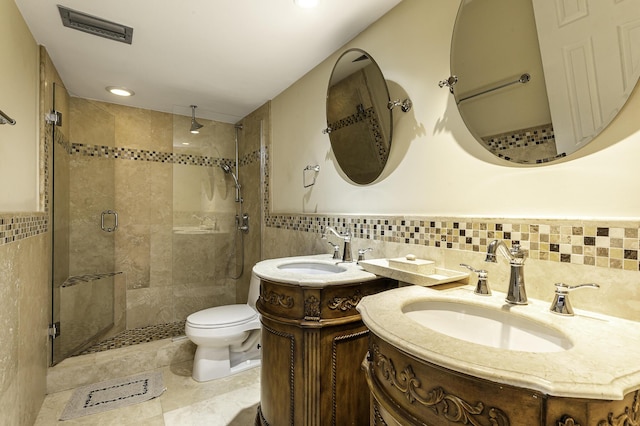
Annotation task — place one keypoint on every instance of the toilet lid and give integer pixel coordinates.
(228, 315)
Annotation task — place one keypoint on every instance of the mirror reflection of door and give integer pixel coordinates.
(590, 55)
(583, 58)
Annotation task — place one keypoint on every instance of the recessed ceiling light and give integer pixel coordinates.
(120, 91)
(306, 4)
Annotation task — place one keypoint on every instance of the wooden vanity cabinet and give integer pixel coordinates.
(313, 343)
(408, 391)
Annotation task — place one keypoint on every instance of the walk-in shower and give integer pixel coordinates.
(182, 241)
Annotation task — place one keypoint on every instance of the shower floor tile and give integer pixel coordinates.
(138, 335)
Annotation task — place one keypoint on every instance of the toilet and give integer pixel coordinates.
(227, 337)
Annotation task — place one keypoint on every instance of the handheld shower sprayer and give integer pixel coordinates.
(227, 170)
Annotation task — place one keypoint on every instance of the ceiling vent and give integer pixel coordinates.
(96, 26)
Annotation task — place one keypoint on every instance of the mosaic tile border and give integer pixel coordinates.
(539, 135)
(578, 242)
(18, 227)
(583, 243)
(606, 244)
(110, 152)
(370, 117)
(519, 139)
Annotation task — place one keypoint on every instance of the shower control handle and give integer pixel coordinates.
(243, 223)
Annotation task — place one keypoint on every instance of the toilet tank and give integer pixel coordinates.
(254, 290)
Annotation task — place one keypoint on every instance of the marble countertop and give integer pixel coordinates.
(269, 270)
(601, 364)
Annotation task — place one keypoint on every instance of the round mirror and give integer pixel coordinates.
(358, 119)
(539, 79)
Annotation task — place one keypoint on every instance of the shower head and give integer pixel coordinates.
(195, 126)
(227, 170)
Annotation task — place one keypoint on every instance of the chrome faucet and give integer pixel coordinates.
(561, 304)
(516, 293)
(346, 251)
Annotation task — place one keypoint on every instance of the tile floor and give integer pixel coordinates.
(138, 336)
(227, 401)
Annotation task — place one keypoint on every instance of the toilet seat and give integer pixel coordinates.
(222, 317)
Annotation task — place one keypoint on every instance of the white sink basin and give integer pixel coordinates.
(588, 355)
(486, 326)
(311, 271)
(311, 268)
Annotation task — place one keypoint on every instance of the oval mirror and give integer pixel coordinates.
(539, 79)
(358, 119)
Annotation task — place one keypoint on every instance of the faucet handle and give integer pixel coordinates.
(361, 253)
(517, 251)
(561, 304)
(563, 288)
(482, 287)
(471, 268)
(336, 250)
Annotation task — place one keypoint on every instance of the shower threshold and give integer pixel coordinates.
(136, 336)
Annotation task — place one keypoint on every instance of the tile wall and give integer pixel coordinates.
(157, 176)
(25, 290)
(560, 250)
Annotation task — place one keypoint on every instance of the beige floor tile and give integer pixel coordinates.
(228, 401)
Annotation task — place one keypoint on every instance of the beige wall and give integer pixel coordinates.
(436, 167)
(19, 88)
(438, 173)
(24, 254)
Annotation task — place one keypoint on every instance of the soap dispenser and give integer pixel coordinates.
(482, 287)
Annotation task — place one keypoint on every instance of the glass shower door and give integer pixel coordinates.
(84, 225)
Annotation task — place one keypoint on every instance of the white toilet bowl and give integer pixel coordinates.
(228, 337)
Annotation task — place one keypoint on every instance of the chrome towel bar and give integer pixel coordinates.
(4, 119)
(451, 81)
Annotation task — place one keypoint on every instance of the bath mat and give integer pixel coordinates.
(112, 394)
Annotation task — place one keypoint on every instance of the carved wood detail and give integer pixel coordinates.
(345, 303)
(630, 417)
(260, 420)
(448, 406)
(377, 417)
(312, 309)
(310, 368)
(292, 369)
(302, 381)
(334, 368)
(277, 299)
(567, 421)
